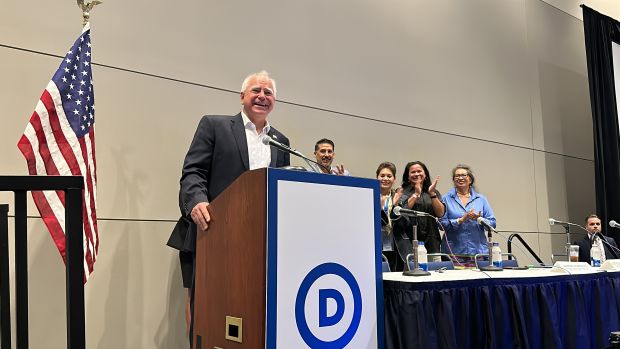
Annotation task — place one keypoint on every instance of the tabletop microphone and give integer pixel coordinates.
(405, 212)
(485, 224)
(614, 224)
(614, 250)
(593, 237)
(555, 221)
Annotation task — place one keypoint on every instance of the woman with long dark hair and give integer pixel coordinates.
(420, 194)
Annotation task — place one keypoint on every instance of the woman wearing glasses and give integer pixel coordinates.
(463, 207)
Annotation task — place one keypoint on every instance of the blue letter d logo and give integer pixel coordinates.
(324, 318)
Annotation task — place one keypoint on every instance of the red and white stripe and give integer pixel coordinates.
(52, 148)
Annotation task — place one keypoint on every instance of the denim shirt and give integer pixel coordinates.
(469, 237)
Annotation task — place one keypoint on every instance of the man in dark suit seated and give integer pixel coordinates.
(222, 149)
(609, 248)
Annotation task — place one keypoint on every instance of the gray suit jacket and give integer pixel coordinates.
(217, 155)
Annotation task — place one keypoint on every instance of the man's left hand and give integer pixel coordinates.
(340, 170)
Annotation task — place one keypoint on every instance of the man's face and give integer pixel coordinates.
(325, 154)
(258, 99)
(593, 225)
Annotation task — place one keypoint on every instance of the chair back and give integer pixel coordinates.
(508, 260)
(448, 265)
(385, 265)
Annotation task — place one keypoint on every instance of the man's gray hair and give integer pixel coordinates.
(260, 76)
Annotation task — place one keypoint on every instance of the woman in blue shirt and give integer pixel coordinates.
(463, 207)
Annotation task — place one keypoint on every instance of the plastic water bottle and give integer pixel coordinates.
(595, 256)
(496, 255)
(422, 258)
(614, 340)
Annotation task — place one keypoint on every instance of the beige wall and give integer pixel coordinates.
(500, 85)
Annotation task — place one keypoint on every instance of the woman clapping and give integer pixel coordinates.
(463, 207)
(396, 247)
(420, 194)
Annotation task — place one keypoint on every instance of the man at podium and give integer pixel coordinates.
(222, 149)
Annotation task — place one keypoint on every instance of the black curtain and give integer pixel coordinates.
(600, 31)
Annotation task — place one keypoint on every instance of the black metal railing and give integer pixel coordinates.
(5, 301)
(20, 186)
(527, 247)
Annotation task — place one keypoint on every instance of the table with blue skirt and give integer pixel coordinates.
(536, 308)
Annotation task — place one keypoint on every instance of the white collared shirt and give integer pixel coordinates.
(259, 154)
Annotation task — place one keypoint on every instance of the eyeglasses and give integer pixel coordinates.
(465, 175)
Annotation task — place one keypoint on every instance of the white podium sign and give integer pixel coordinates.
(324, 284)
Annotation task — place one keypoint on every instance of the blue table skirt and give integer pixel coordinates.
(572, 311)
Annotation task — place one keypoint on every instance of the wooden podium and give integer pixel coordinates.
(246, 278)
(230, 268)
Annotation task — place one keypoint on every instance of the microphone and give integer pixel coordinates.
(555, 221)
(614, 250)
(403, 211)
(485, 224)
(613, 224)
(593, 237)
(268, 140)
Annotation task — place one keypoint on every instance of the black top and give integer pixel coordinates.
(428, 230)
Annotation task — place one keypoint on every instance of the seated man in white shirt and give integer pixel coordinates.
(609, 248)
(324, 153)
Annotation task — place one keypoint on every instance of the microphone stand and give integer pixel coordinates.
(605, 242)
(311, 163)
(614, 250)
(566, 226)
(568, 243)
(416, 265)
(490, 267)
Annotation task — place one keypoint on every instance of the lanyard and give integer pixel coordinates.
(387, 207)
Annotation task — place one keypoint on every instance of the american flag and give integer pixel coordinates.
(60, 140)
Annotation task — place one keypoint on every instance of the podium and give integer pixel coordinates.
(291, 260)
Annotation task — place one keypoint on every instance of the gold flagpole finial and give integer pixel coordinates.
(86, 8)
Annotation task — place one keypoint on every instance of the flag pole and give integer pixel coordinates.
(86, 7)
(60, 135)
